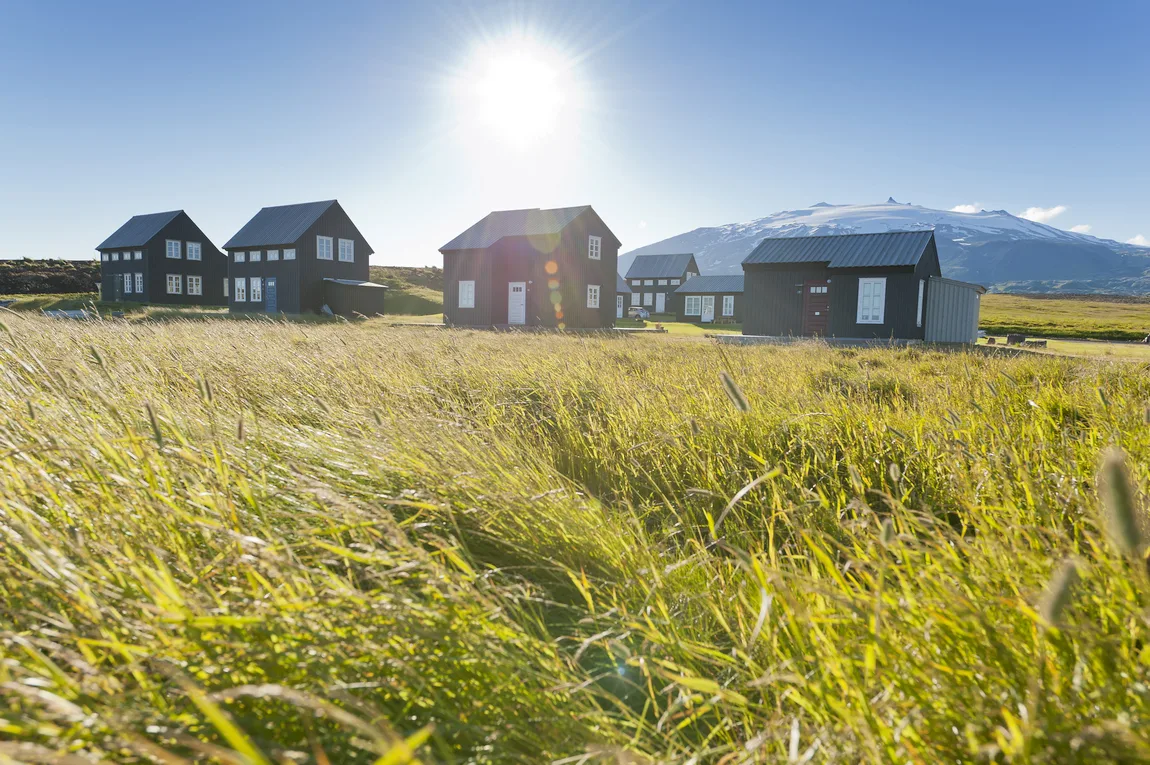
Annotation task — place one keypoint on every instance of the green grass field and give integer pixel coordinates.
(272, 542)
(1091, 316)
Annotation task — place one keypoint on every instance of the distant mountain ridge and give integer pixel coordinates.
(991, 247)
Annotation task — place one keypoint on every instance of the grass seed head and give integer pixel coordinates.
(1058, 593)
(734, 393)
(1118, 502)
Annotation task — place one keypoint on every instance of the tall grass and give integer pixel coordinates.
(351, 543)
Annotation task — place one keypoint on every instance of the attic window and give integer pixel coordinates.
(346, 250)
(676, 281)
(241, 257)
(323, 248)
(173, 249)
(194, 252)
(595, 247)
(289, 254)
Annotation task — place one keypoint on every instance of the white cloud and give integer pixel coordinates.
(1081, 228)
(1042, 214)
(1139, 240)
(971, 208)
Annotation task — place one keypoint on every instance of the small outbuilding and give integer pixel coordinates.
(654, 278)
(352, 297)
(856, 286)
(711, 299)
(622, 296)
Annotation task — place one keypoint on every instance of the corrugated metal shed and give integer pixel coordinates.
(893, 248)
(696, 285)
(659, 266)
(279, 225)
(530, 222)
(952, 310)
(621, 285)
(139, 230)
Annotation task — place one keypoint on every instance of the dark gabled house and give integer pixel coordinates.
(300, 258)
(533, 267)
(622, 296)
(856, 286)
(711, 299)
(162, 258)
(654, 279)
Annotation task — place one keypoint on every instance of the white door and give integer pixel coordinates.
(619, 307)
(660, 302)
(708, 309)
(517, 302)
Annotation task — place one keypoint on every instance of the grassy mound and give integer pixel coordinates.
(349, 543)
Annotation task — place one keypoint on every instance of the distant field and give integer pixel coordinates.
(1086, 316)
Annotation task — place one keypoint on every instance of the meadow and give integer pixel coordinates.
(1099, 317)
(259, 541)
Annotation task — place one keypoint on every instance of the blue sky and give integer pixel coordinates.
(421, 117)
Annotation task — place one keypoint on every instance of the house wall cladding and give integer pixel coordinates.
(350, 300)
(952, 312)
(155, 266)
(681, 299)
(773, 297)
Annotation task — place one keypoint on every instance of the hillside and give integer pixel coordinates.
(993, 248)
(42, 277)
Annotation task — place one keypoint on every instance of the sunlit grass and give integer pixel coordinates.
(347, 542)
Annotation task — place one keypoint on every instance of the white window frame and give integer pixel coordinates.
(195, 251)
(592, 295)
(273, 255)
(635, 298)
(323, 248)
(728, 305)
(240, 257)
(241, 290)
(195, 285)
(636, 282)
(595, 247)
(255, 290)
(350, 251)
(227, 283)
(693, 305)
(690, 274)
(876, 314)
(127, 284)
(662, 282)
(139, 255)
(289, 254)
(169, 249)
(676, 281)
(139, 284)
(648, 299)
(921, 292)
(255, 256)
(648, 282)
(105, 256)
(467, 293)
(177, 281)
(116, 256)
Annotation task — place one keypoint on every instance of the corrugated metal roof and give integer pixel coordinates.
(139, 230)
(652, 266)
(500, 224)
(700, 284)
(355, 283)
(279, 225)
(892, 248)
(621, 285)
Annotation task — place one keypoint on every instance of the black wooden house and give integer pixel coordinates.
(533, 267)
(298, 259)
(622, 296)
(162, 258)
(654, 279)
(711, 299)
(849, 286)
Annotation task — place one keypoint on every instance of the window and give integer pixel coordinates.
(104, 257)
(194, 251)
(195, 285)
(257, 290)
(872, 300)
(676, 281)
(289, 254)
(127, 284)
(662, 282)
(241, 257)
(346, 250)
(921, 290)
(175, 284)
(595, 247)
(648, 298)
(139, 255)
(592, 294)
(255, 256)
(636, 282)
(241, 289)
(225, 286)
(467, 294)
(690, 274)
(728, 305)
(635, 298)
(273, 254)
(648, 282)
(139, 284)
(693, 305)
(323, 247)
(115, 256)
(173, 250)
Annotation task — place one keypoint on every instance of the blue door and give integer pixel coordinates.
(270, 301)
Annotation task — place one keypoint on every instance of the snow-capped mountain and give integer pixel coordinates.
(991, 247)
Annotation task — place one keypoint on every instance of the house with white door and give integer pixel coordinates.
(711, 299)
(533, 267)
(654, 278)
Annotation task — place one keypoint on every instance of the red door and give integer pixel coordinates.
(816, 307)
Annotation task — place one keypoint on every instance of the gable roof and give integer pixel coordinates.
(504, 223)
(651, 266)
(621, 284)
(279, 225)
(139, 230)
(727, 283)
(892, 248)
